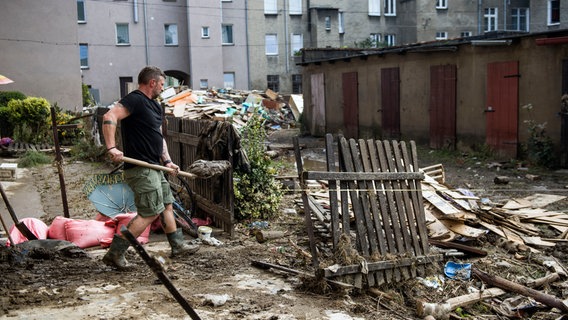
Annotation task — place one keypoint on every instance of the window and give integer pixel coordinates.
(296, 83)
(490, 19)
(519, 19)
(203, 84)
(374, 7)
(442, 35)
(390, 40)
(465, 34)
(295, 7)
(553, 11)
(297, 43)
(271, 44)
(171, 34)
(229, 80)
(227, 30)
(441, 4)
(375, 40)
(328, 23)
(205, 32)
(390, 7)
(273, 82)
(340, 22)
(81, 17)
(84, 55)
(122, 36)
(270, 7)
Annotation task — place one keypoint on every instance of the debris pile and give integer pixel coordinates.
(236, 106)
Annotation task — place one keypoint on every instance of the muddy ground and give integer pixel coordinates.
(220, 282)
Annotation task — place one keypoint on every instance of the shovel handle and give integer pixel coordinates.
(157, 167)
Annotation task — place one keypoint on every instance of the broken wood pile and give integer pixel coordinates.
(232, 105)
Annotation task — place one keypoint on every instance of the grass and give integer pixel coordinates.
(33, 159)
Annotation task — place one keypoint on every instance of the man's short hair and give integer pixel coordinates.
(149, 73)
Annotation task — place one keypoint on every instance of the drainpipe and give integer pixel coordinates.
(146, 33)
(479, 20)
(505, 14)
(135, 7)
(286, 39)
(189, 52)
(247, 42)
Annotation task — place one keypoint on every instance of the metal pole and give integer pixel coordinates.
(58, 162)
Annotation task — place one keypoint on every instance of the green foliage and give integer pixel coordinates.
(369, 43)
(32, 159)
(6, 126)
(87, 97)
(257, 193)
(7, 96)
(86, 150)
(540, 148)
(31, 119)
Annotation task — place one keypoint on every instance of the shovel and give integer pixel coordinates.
(20, 225)
(200, 169)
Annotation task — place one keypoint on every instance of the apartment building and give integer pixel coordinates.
(241, 44)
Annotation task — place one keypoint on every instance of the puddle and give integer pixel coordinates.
(271, 286)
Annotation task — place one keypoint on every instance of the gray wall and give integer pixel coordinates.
(40, 52)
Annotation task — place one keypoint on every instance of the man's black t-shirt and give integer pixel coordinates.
(141, 135)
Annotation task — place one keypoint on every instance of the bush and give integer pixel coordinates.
(31, 117)
(257, 192)
(540, 148)
(32, 159)
(6, 126)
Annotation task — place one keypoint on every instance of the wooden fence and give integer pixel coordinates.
(215, 196)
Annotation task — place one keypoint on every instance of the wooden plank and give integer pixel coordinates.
(333, 202)
(367, 198)
(363, 176)
(360, 227)
(391, 206)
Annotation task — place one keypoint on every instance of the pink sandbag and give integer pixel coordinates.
(123, 220)
(87, 233)
(36, 226)
(57, 228)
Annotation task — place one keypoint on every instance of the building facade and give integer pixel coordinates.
(240, 44)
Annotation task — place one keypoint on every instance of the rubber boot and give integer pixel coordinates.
(179, 245)
(115, 255)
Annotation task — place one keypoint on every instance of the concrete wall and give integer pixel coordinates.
(540, 83)
(109, 61)
(40, 52)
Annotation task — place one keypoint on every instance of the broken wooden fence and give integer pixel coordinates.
(380, 183)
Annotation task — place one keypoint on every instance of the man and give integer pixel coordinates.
(141, 128)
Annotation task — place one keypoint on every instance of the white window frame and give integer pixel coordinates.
(327, 22)
(390, 40)
(271, 44)
(549, 12)
(85, 47)
(127, 42)
(224, 33)
(295, 7)
(442, 4)
(229, 80)
(375, 39)
(173, 35)
(374, 8)
(465, 34)
(340, 22)
(203, 83)
(390, 8)
(442, 35)
(490, 19)
(81, 8)
(297, 42)
(517, 16)
(205, 32)
(270, 6)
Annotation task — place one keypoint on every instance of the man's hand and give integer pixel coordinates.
(115, 155)
(174, 166)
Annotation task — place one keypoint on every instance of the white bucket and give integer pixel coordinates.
(204, 232)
